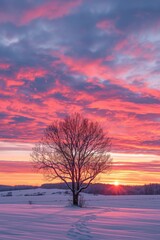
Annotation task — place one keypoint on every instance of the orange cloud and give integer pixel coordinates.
(139, 173)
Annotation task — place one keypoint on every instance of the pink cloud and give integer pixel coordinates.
(105, 24)
(30, 73)
(108, 25)
(50, 10)
(4, 66)
(16, 167)
(121, 44)
(152, 166)
(90, 68)
(119, 105)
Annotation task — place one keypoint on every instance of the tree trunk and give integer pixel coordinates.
(75, 199)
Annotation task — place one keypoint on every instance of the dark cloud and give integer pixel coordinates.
(60, 96)
(21, 119)
(149, 117)
(3, 115)
(41, 84)
(152, 142)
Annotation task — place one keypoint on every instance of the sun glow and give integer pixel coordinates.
(116, 183)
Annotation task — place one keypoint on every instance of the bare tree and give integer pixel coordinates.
(74, 150)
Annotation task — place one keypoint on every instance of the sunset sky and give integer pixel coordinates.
(97, 57)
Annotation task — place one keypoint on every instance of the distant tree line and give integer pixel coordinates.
(99, 188)
(109, 189)
(17, 187)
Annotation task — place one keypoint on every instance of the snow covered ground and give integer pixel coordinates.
(45, 214)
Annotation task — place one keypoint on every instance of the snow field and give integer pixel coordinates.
(28, 215)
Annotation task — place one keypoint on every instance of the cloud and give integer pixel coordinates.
(151, 167)
(50, 10)
(20, 119)
(27, 167)
(16, 167)
(100, 58)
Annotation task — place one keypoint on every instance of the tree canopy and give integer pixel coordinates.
(74, 150)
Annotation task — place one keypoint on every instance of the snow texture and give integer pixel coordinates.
(45, 214)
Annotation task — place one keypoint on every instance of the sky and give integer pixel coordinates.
(100, 58)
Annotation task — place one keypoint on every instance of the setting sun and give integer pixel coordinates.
(116, 183)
